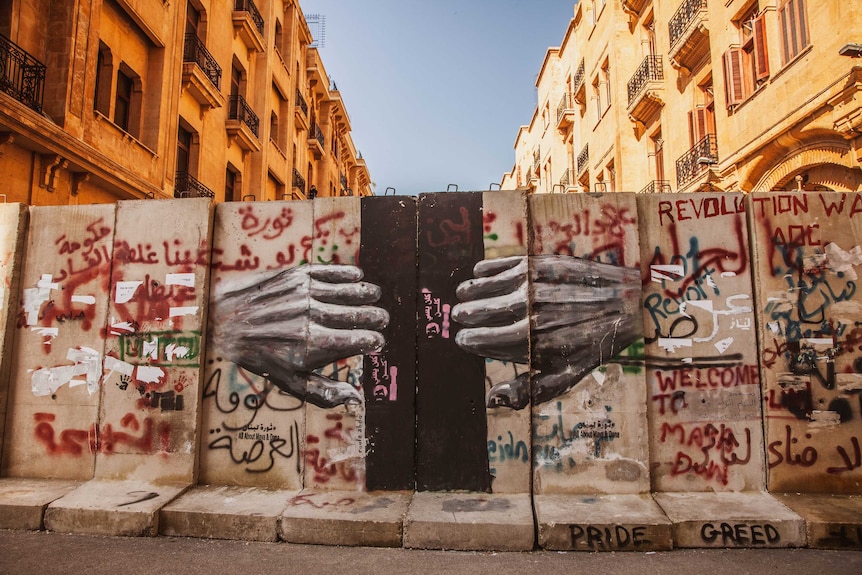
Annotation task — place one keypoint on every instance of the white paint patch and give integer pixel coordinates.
(669, 272)
(671, 344)
(46, 282)
(151, 348)
(846, 382)
(724, 344)
(181, 311)
(822, 418)
(125, 291)
(840, 261)
(187, 280)
(827, 341)
(122, 328)
(33, 300)
(48, 380)
(173, 350)
(149, 374)
(774, 327)
(85, 299)
(705, 305)
(728, 274)
(47, 331)
(112, 364)
(598, 376)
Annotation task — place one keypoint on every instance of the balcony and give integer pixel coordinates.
(565, 113)
(566, 182)
(583, 159)
(689, 35)
(300, 112)
(186, 186)
(578, 85)
(342, 179)
(242, 124)
(298, 181)
(657, 187)
(697, 161)
(537, 157)
(21, 75)
(201, 73)
(315, 140)
(248, 24)
(646, 90)
(634, 6)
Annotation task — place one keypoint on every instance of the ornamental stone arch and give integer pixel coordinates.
(829, 165)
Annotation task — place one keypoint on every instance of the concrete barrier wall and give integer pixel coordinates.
(581, 344)
(699, 336)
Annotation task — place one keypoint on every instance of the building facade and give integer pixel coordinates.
(698, 95)
(103, 100)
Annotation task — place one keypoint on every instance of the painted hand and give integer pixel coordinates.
(564, 315)
(298, 320)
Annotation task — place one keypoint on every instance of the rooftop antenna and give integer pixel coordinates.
(317, 25)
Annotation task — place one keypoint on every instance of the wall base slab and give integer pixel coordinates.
(23, 501)
(831, 521)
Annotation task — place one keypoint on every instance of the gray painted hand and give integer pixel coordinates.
(581, 314)
(297, 320)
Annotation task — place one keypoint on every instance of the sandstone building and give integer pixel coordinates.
(697, 95)
(112, 99)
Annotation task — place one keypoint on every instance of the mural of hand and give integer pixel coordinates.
(581, 314)
(297, 320)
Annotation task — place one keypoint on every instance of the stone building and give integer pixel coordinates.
(114, 99)
(695, 95)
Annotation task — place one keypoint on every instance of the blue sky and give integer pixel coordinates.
(437, 89)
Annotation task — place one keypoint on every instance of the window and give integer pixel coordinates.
(794, 28)
(104, 75)
(123, 100)
(606, 84)
(184, 149)
(701, 120)
(746, 67)
(657, 153)
(230, 184)
(612, 177)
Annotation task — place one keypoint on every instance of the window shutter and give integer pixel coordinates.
(733, 84)
(700, 123)
(692, 135)
(761, 59)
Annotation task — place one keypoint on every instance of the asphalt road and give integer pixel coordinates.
(40, 553)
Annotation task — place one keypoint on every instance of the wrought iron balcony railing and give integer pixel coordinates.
(578, 81)
(300, 101)
(564, 106)
(565, 180)
(657, 187)
(195, 51)
(314, 132)
(240, 110)
(697, 160)
(298, 181)
(537, 157)
(186, 186)
(649, 70)
(342, 179)
(583, 159)
(683, 18)
(248, 6)
(21, 75)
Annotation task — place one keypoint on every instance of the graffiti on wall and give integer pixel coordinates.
(704, 383)
(810, 338)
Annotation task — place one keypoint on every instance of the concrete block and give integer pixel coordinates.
(251, 429)
(703, 381)
(470, 521)
(831, 521)
(149, 414)
(590, 435)
(809, 307)
(504, 216)
(56, 377)
(601, 523)
(13, 220)
(23, 501)
(225, 512)
(129, 508)
(371, 519)
(744, 519)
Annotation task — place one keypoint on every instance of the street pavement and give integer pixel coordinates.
(41, 553)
